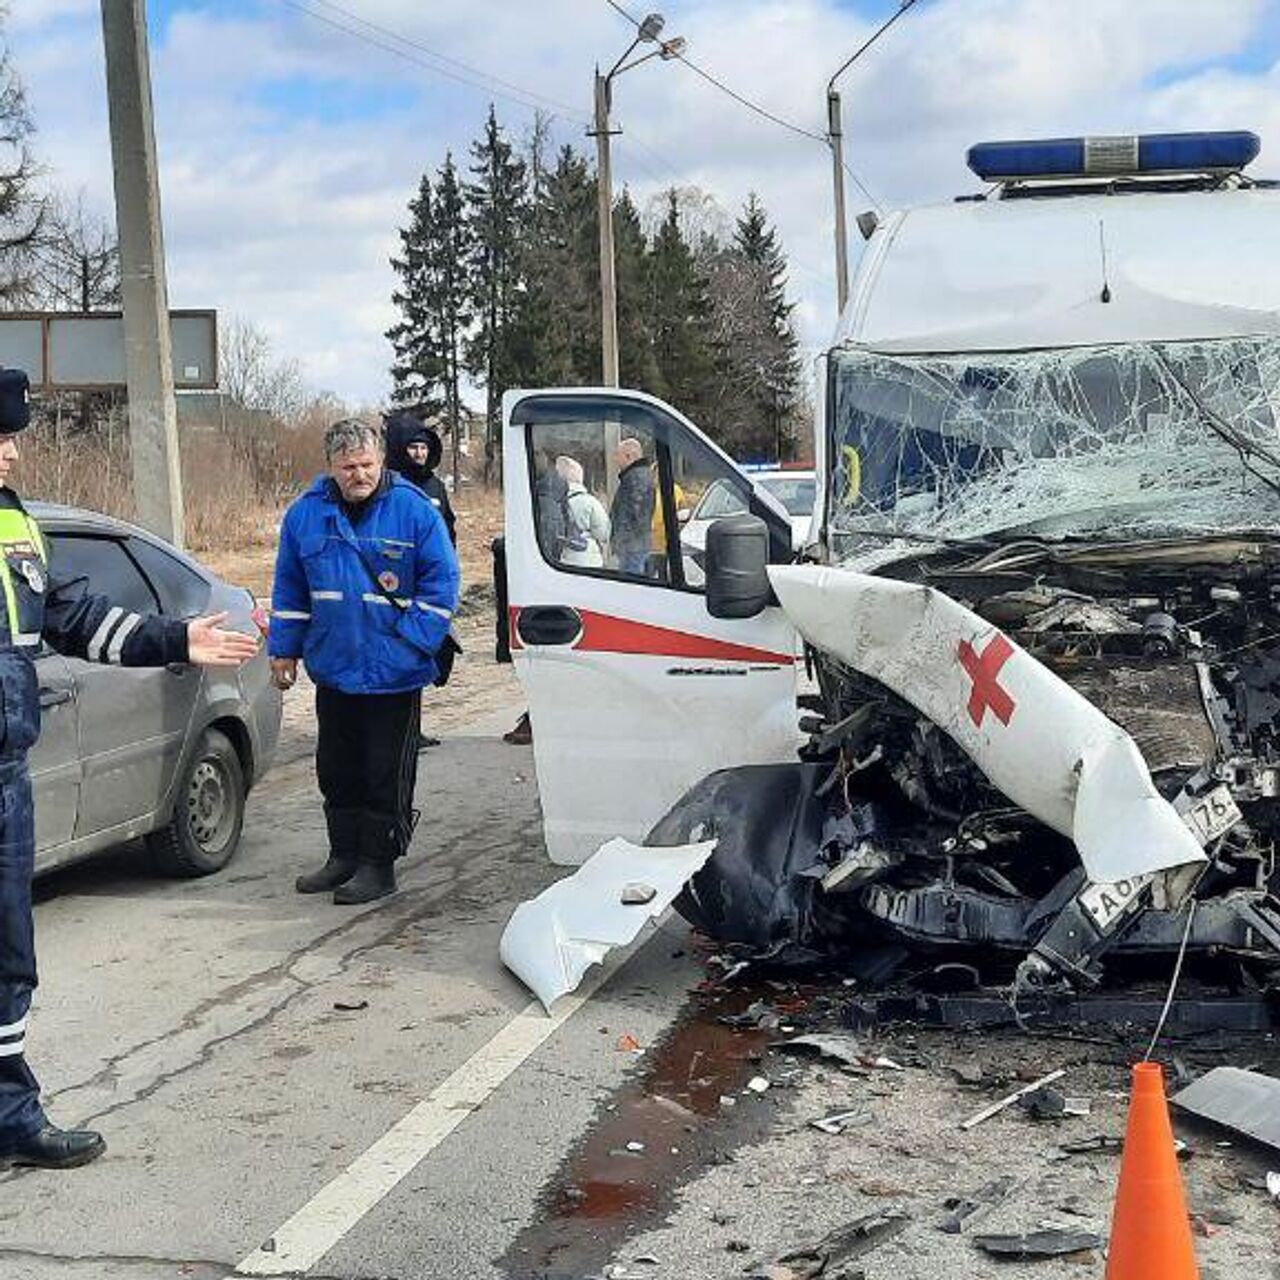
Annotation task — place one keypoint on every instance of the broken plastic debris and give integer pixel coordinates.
(836, 1046)
(636, 895)
(963, 1208)
(996, 1107)
(627, 1043)
(550, 942)
(758, 1084)
(1039, 1244)
(1241, 1100)
(1043, 744)
(635, 1146)
(838, 1121)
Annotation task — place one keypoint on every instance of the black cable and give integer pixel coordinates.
(454, 69)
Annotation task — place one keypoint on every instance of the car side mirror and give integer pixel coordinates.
(737, 567)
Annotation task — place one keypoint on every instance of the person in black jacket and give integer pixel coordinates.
(39, 607)
(414, 451)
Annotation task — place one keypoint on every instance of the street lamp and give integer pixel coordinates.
(647, 33)
(835, 138)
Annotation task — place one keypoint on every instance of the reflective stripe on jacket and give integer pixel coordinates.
(326, 607)
(39, 605)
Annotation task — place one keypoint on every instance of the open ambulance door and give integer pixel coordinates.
(635, 692)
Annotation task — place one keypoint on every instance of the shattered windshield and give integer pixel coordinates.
(1140, 440)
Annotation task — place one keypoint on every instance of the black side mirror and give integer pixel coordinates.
(737, 567)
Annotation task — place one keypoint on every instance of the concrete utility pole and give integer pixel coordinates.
(604, 190)
(153, 417)
(835, 138)
(646, 33)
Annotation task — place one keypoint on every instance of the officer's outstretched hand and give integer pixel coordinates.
(210, 645)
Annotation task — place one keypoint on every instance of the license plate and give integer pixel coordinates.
(1212, 815)
(1107, 904)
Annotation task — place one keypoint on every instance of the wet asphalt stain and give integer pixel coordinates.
(652, 1136)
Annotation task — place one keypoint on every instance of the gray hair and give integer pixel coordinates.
(350, 434)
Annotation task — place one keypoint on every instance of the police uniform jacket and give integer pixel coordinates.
(38, 605)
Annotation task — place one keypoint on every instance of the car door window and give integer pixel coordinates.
(614, 483)
(108, 567)
(183, 592)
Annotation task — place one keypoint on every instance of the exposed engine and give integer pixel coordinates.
(895, 835)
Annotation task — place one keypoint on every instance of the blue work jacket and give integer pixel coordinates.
(326, 608)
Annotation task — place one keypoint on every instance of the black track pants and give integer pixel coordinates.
(367, 764)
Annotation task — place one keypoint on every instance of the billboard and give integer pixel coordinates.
(84, 350)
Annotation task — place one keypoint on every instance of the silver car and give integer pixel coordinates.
(165, 753)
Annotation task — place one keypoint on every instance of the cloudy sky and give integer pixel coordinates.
(290, 145)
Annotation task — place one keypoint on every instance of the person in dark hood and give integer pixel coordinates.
(414, 451)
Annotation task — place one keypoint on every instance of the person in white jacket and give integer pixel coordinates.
(589, 537)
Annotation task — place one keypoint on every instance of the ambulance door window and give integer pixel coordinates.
(596, 501)
(697, 489)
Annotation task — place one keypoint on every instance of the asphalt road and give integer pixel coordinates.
(243, 1047)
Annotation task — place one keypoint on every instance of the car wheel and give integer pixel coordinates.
(208, 812)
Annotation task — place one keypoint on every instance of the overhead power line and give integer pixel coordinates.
(744, 101)
(414, 51)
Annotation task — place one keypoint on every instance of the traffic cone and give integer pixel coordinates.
(1150, 1231)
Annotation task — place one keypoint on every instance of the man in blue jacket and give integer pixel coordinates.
(365, 590)
(35, 606)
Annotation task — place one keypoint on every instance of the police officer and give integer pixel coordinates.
(34, 607)
(365, 588)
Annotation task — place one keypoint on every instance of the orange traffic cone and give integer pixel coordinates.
(1150, 1231)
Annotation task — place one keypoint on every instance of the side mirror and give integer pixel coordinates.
(737, 567)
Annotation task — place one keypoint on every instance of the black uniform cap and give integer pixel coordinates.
(15, 410)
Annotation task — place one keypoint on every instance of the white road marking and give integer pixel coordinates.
(329, 1215)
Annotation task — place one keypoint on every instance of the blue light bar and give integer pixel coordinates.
(1127, 155)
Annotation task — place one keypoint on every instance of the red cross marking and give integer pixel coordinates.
(984, 670)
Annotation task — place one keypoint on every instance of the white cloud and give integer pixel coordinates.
(288, 216)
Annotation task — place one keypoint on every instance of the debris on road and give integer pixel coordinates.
(1053, 1242)
(1004, 1103)
(843, 1245)
(1273, 1185)
(838, 1121)
(963, 1208)
(758, 1084)
(350, 1006)
(551, 941)
(627, 1043)
(1241, 1100)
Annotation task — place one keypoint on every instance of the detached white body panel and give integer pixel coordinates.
(1044, 745)
(550, 942)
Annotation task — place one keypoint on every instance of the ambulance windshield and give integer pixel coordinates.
(1135, 441)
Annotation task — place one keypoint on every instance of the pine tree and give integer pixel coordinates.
(561, 263)
(497, 212)
(774, 371)
(638, 367)
(679, 311)
(419, 368)
(449, 251)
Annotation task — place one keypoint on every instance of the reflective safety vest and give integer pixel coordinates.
(24, 575)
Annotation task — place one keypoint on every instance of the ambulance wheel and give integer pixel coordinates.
(208, 813)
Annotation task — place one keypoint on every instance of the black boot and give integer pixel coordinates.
(345, 827)
(54, 1148)
(382, 841)
(334, 872)
(372, 880)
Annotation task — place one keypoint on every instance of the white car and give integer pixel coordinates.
(794, 489)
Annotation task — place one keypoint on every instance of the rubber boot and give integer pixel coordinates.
(381, 843)
(372, 880)
(344, 850)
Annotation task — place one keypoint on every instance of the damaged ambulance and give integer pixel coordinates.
(1033, 725)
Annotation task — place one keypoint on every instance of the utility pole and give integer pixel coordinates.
(153, 418)
(835, 139)
(604, 190)
(835, 132)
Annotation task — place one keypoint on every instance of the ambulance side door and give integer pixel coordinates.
(635, 692)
